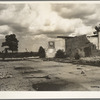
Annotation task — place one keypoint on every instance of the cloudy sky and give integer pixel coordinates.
(37, 23)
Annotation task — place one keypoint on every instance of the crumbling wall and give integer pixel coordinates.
(80, 45)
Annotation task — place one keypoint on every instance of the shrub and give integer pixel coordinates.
(77, 56)
(41, 52)
(60, 54)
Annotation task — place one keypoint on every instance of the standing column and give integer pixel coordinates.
(51, 50)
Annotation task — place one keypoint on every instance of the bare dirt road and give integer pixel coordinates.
(39, 75)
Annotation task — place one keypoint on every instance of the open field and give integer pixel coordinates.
(38, 75)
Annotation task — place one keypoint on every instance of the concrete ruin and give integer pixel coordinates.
(80, 45)
(50, 53)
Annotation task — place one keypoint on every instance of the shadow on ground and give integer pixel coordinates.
(59, 85)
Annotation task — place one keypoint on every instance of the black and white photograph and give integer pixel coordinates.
(49, 46)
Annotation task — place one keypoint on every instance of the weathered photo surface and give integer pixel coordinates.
(49, 46)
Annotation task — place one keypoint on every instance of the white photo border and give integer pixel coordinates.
(34, 95)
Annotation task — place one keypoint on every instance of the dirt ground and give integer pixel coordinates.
(39, 75)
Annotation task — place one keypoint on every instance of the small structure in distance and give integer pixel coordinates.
(50, 53)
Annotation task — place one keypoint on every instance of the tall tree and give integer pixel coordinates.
(12, 43)
(41, 52)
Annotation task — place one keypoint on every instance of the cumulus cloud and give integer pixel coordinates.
(50, 19)
(35, 22)
(74, 10)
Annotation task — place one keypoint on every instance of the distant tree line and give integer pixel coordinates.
(12, 42)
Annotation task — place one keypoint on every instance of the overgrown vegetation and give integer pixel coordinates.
(19, 55)
(60, 54)
(41, 52)
(94, 61)
(77, 56)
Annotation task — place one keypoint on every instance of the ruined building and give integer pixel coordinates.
(50, 53)
(80, 45)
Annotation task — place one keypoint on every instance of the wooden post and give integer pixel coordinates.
(99, 40)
